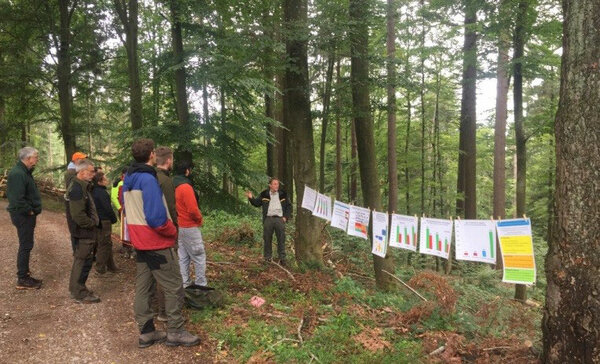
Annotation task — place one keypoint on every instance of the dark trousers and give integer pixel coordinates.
(104, 254)
(82, 263)
(270, 225)
(25, 225)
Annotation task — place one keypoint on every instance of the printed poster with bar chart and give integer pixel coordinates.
(403, 232)
(322, 207)
(436, 237)
(340, 216)
(358, 222)
(380, 233)
(475, 240)
(516, 247)
(309, 198)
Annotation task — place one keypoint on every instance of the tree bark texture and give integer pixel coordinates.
(325, 118)
(338, 135)
(571, 323)
(307, 244)
(369, 180)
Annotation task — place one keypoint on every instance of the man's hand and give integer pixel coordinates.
(248, 194)
(284, 219)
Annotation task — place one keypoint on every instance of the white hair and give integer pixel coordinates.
(27, 152)
(83, 164)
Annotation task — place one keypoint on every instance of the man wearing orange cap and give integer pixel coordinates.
(69, 175)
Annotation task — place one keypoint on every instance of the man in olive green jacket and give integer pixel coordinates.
(24, 204)
(85, 220)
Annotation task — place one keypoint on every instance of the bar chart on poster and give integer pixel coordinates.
(322, 207)
(358, 222)
(380, 233)
(340, 215)
(475, 240)
(403, 232)
(436, 237)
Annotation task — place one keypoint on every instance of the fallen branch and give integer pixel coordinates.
(405, 285)
(437, 351)
(299, 330)
(312, 356)
(285, 270)
(360, 276)
(498, 348)
(280, 341)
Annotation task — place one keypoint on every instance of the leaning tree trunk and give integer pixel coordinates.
(369, 179)
(571, 323)
(502, 81)
(297, 113)
(521, 141)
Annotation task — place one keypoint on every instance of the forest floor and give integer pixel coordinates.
(330, 316)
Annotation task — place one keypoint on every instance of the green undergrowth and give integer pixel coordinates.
(346, 319)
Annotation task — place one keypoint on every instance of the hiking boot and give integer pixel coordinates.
(150, 338)
(89, 298)
(182, 337)
(28, 283)
(39, 281)
(162, 317)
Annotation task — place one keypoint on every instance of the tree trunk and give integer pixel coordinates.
(391, 106)
(183, 113)
(571, 323)
(297, 110)
(325, 119)
(369, 180)
(65, 98)
(353, 164)
(468, 118)
(406, 145)
(502, 81)
(422, 97)
(519, 45)
(338, 135)
(128, 14)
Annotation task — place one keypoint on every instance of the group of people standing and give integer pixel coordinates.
(160, 212)
(162, 218)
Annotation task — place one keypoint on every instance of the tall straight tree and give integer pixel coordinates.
(369, 180)
(183, 113)
(325, 118)
(338, 134)
(127, 11)
(391, 19)
(297, 113)
(502, 81)
(519, 40)
(62, 42)
(571, 323)
(467, 162)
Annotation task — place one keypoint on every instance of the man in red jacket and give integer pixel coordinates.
(153, 235)
(191, 245)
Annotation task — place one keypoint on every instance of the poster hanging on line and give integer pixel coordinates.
(403, 232)
(516, 247)
(380, 233)
(358, 222)
(309, 198)
(322, 207)
(340, 215)
(475, 240)
(436, 237)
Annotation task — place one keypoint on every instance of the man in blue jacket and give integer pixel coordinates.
(24, 204)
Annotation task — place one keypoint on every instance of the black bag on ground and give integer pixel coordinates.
(200, 297)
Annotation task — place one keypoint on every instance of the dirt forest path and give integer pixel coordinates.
(46, 326)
